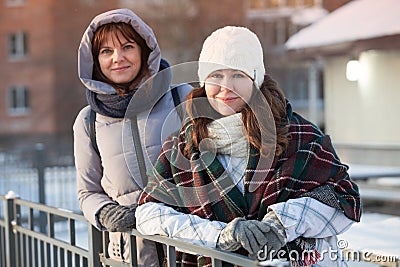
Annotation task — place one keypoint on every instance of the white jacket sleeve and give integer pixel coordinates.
(309, 217)
(159, 219)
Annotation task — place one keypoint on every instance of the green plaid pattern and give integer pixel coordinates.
(309, 162)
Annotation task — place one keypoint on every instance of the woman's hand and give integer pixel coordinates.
(276, 236)
(117, 218)
(249, 234)
(253, 235)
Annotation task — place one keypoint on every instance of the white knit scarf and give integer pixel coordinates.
(229, 135)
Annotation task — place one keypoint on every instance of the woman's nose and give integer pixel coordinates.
(226, 84)
(117, 55)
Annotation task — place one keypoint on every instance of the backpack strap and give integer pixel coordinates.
(92, 130)
(142, 169)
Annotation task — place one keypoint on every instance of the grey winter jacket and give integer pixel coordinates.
(114, 176)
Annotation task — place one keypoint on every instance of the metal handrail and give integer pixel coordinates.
(215, 254)
(30, 236)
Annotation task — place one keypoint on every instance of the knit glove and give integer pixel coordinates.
(249, 234)
(276, 237)
(117, 218)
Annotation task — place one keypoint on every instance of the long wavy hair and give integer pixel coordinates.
(268, 135)
(127, 31)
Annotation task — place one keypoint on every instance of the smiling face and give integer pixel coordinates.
(119, 58)
(228, 91)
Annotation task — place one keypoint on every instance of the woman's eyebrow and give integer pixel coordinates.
(128, 42)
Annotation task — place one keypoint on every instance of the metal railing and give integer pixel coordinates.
(33, 234)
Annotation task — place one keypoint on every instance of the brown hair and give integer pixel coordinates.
(201, 113)
(130, 34)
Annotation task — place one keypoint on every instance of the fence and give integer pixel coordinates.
(28, 175)
(33, 234)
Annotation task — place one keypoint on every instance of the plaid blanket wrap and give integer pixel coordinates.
(309, 165)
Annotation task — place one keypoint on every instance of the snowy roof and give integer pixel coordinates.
(357, 20)
(307, 16)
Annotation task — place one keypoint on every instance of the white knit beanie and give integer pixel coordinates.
(232, 47)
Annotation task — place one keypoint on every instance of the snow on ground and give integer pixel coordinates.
(376, 233)
(361, 264)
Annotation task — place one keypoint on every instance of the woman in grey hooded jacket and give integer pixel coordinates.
(117, 55)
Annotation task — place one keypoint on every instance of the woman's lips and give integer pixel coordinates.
(227, 99)
(120, 68)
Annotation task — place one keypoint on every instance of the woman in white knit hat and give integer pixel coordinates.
(246, 173)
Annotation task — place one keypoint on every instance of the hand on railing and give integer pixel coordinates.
(276, 236)
(117, 218)
(249, 234)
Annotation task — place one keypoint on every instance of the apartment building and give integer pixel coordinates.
(40, 92)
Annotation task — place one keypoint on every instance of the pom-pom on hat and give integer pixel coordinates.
(232, 47)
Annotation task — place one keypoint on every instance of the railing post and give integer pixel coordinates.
(95, 246)
(9, 231)
(40, 165)
(171, 256)
(133, 250)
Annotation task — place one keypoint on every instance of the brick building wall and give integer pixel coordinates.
(53, 30)
(32, 70)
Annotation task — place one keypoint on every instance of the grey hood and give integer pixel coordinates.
(85, 58)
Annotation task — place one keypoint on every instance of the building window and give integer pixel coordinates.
(17, 45)
(271, 4)
(15, 2)
(309, 3)
(265, 4)
(18, 100)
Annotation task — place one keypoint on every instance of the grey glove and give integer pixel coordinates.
(117, 218)
(276, 237)
(249, 234)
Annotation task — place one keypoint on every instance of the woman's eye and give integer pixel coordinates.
(216, 76)
(129, 46)
(238, 75)
(105, 51)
